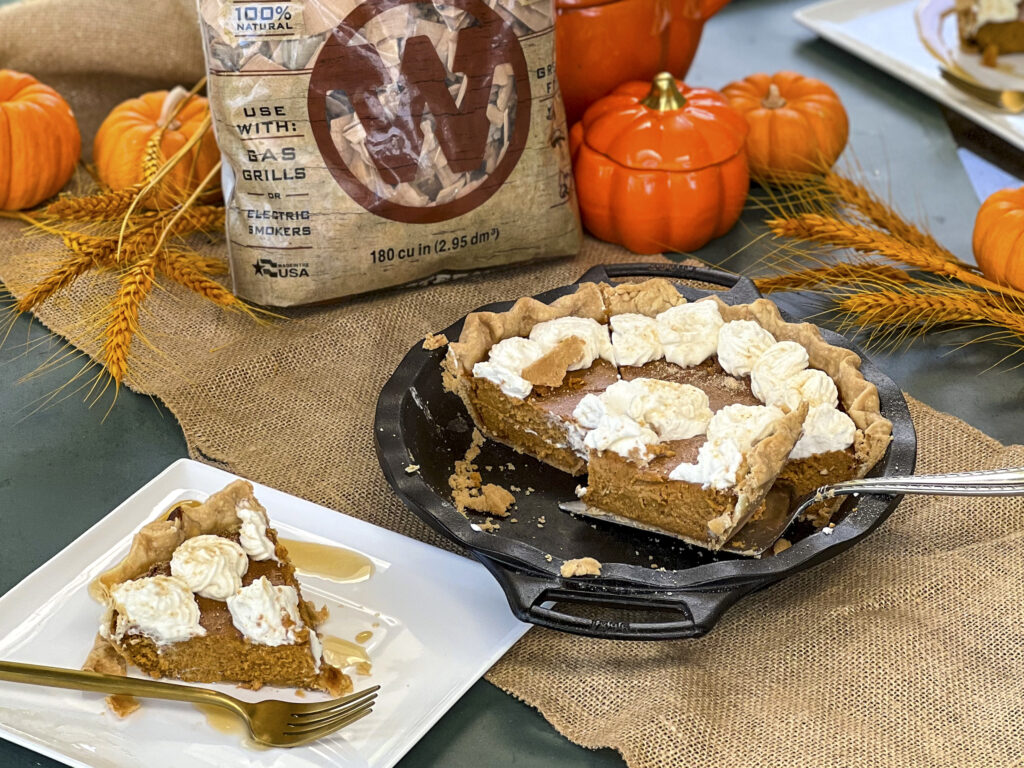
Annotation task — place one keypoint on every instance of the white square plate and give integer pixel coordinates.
(439, 621)
(884, 33)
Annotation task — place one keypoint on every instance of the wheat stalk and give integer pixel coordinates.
(206, 218)
(875, 211)
(830, 274)
(123, 322)
(101, 207)
(901, 312)
(181, 268)
(837, 233)
(184, 208)
(64, 275)
(166, 168)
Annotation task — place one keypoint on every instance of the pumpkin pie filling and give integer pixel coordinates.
(688, 436)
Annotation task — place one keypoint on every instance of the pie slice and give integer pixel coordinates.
(683, 415)
(993, 28)
(207, 594)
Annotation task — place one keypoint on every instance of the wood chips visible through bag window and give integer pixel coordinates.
(379, 143)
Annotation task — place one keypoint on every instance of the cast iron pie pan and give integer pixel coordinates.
(651, 587)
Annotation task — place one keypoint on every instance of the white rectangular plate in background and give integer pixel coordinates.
(439, 621)
(884, 33)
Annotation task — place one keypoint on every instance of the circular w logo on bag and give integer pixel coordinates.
(420, 110)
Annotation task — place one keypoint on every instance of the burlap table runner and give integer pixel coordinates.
(906, 651)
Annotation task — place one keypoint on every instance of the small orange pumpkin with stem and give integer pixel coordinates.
(160, 122)
(798, 125)
(999, 238)
(660, 167)
(39, 141)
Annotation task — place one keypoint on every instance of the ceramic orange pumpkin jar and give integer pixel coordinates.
(660, 167)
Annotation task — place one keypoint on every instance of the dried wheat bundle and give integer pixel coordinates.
(113, 230)
(896, 281)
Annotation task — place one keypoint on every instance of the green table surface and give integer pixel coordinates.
(65, 465)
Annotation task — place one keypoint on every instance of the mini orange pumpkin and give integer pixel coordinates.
(660, 167)
(999, 237)
(120, 144)
(798, 125)
(39, 141)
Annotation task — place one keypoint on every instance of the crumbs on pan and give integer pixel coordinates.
(581, 566)
(781, 546)
(434, 341)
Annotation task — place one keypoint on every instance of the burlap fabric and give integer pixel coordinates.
(906, 651)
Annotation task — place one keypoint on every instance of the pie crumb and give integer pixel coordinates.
(122, 705)
(548, 558)
(300, 693)
(434, 341)
(469, 494)
(582, 566)
(781, 546)
(489, 525)
(412, 469)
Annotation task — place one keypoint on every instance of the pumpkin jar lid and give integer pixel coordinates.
(664, 125)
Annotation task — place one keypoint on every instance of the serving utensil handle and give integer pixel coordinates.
(990, 482)
(97, 682)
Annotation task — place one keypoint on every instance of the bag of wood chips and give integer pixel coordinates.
(379, 142)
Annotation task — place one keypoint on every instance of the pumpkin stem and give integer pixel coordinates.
(664, 96)
(169, 110)
(774, 99)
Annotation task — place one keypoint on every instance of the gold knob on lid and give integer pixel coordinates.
(664, 96)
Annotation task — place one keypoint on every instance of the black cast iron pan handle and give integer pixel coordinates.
(741, 289)
(688, 614)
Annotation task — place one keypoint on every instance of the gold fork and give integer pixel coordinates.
(1008, 101)
(274, 723)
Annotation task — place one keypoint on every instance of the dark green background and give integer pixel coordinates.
(64, 466)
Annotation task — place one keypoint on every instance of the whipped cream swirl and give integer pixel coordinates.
(597, 342)
(630, 415)
(994, 12)
(731, 433)
(266, 614)
(162, 608)
(252, 536)
(826, 429)
(211, 566)
(635, 339)
(689, 332)
(506, 362)
(510, 357)
(740, 344)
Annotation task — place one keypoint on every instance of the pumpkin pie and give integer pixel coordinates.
(683, 415)
(991, 26)
(207, 594)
